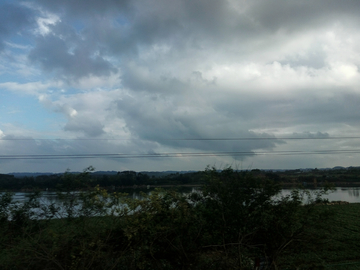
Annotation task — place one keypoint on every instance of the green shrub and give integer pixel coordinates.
(236, 219)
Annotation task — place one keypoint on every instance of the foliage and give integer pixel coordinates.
(119, 180)
(235, 219)
(245, 216)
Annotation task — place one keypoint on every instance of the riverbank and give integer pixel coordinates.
(348, 194)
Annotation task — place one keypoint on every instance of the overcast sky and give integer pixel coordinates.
(139, 78)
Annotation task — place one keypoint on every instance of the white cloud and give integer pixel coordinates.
(44, 23)
(98, 82)
(43, 19)
(31, 88)
(17, 46)
(149, 71)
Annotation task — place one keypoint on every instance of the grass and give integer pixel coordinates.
(344, 236)
(341, 239)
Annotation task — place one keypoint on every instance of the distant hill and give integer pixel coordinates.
(28, 174)
(105, 173)
(163, 173)
(339, 168)
(97, 173)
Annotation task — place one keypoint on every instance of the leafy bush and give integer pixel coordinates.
(235, 221)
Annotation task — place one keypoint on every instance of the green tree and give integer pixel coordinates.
(246, 218)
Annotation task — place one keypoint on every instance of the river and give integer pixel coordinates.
(348, 194)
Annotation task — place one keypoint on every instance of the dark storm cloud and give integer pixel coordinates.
(14, 19)
(201, 24)
(340, 108)
(295, 15)
(188, 29)
(258, 111)
(124, 26)
(83, 8)
(89, 127)
(181, 25)
(118, 29)
(128, 36)
(144, 80)
(310, 135)
(54, 55)
(158, 122)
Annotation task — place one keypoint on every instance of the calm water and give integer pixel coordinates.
(349, 194)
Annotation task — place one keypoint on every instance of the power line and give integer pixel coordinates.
(262, 138)
(179, 154)
(188, 139)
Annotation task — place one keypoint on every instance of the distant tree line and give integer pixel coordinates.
(120, 180)
(127, 179)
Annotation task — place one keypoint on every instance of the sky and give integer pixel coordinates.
(160, 85)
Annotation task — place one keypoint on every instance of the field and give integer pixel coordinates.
(341, 238)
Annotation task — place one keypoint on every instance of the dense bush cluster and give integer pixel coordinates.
(236, 222)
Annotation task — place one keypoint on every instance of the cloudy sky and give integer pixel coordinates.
(178, 84)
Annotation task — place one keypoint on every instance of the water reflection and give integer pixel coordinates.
(355, 192)
(351, 194)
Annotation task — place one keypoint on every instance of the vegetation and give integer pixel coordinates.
(339, 240)
(131, 179)
(117, 180)
(236, 222)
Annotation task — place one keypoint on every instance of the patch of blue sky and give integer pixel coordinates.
(68, 91)
(20, 73)
(16, 48)
(122, 20)
(22, 41)
(6, 2)
(14, 63)
(10, 76)
(78, 25)
(28, 113)
(18, 43)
